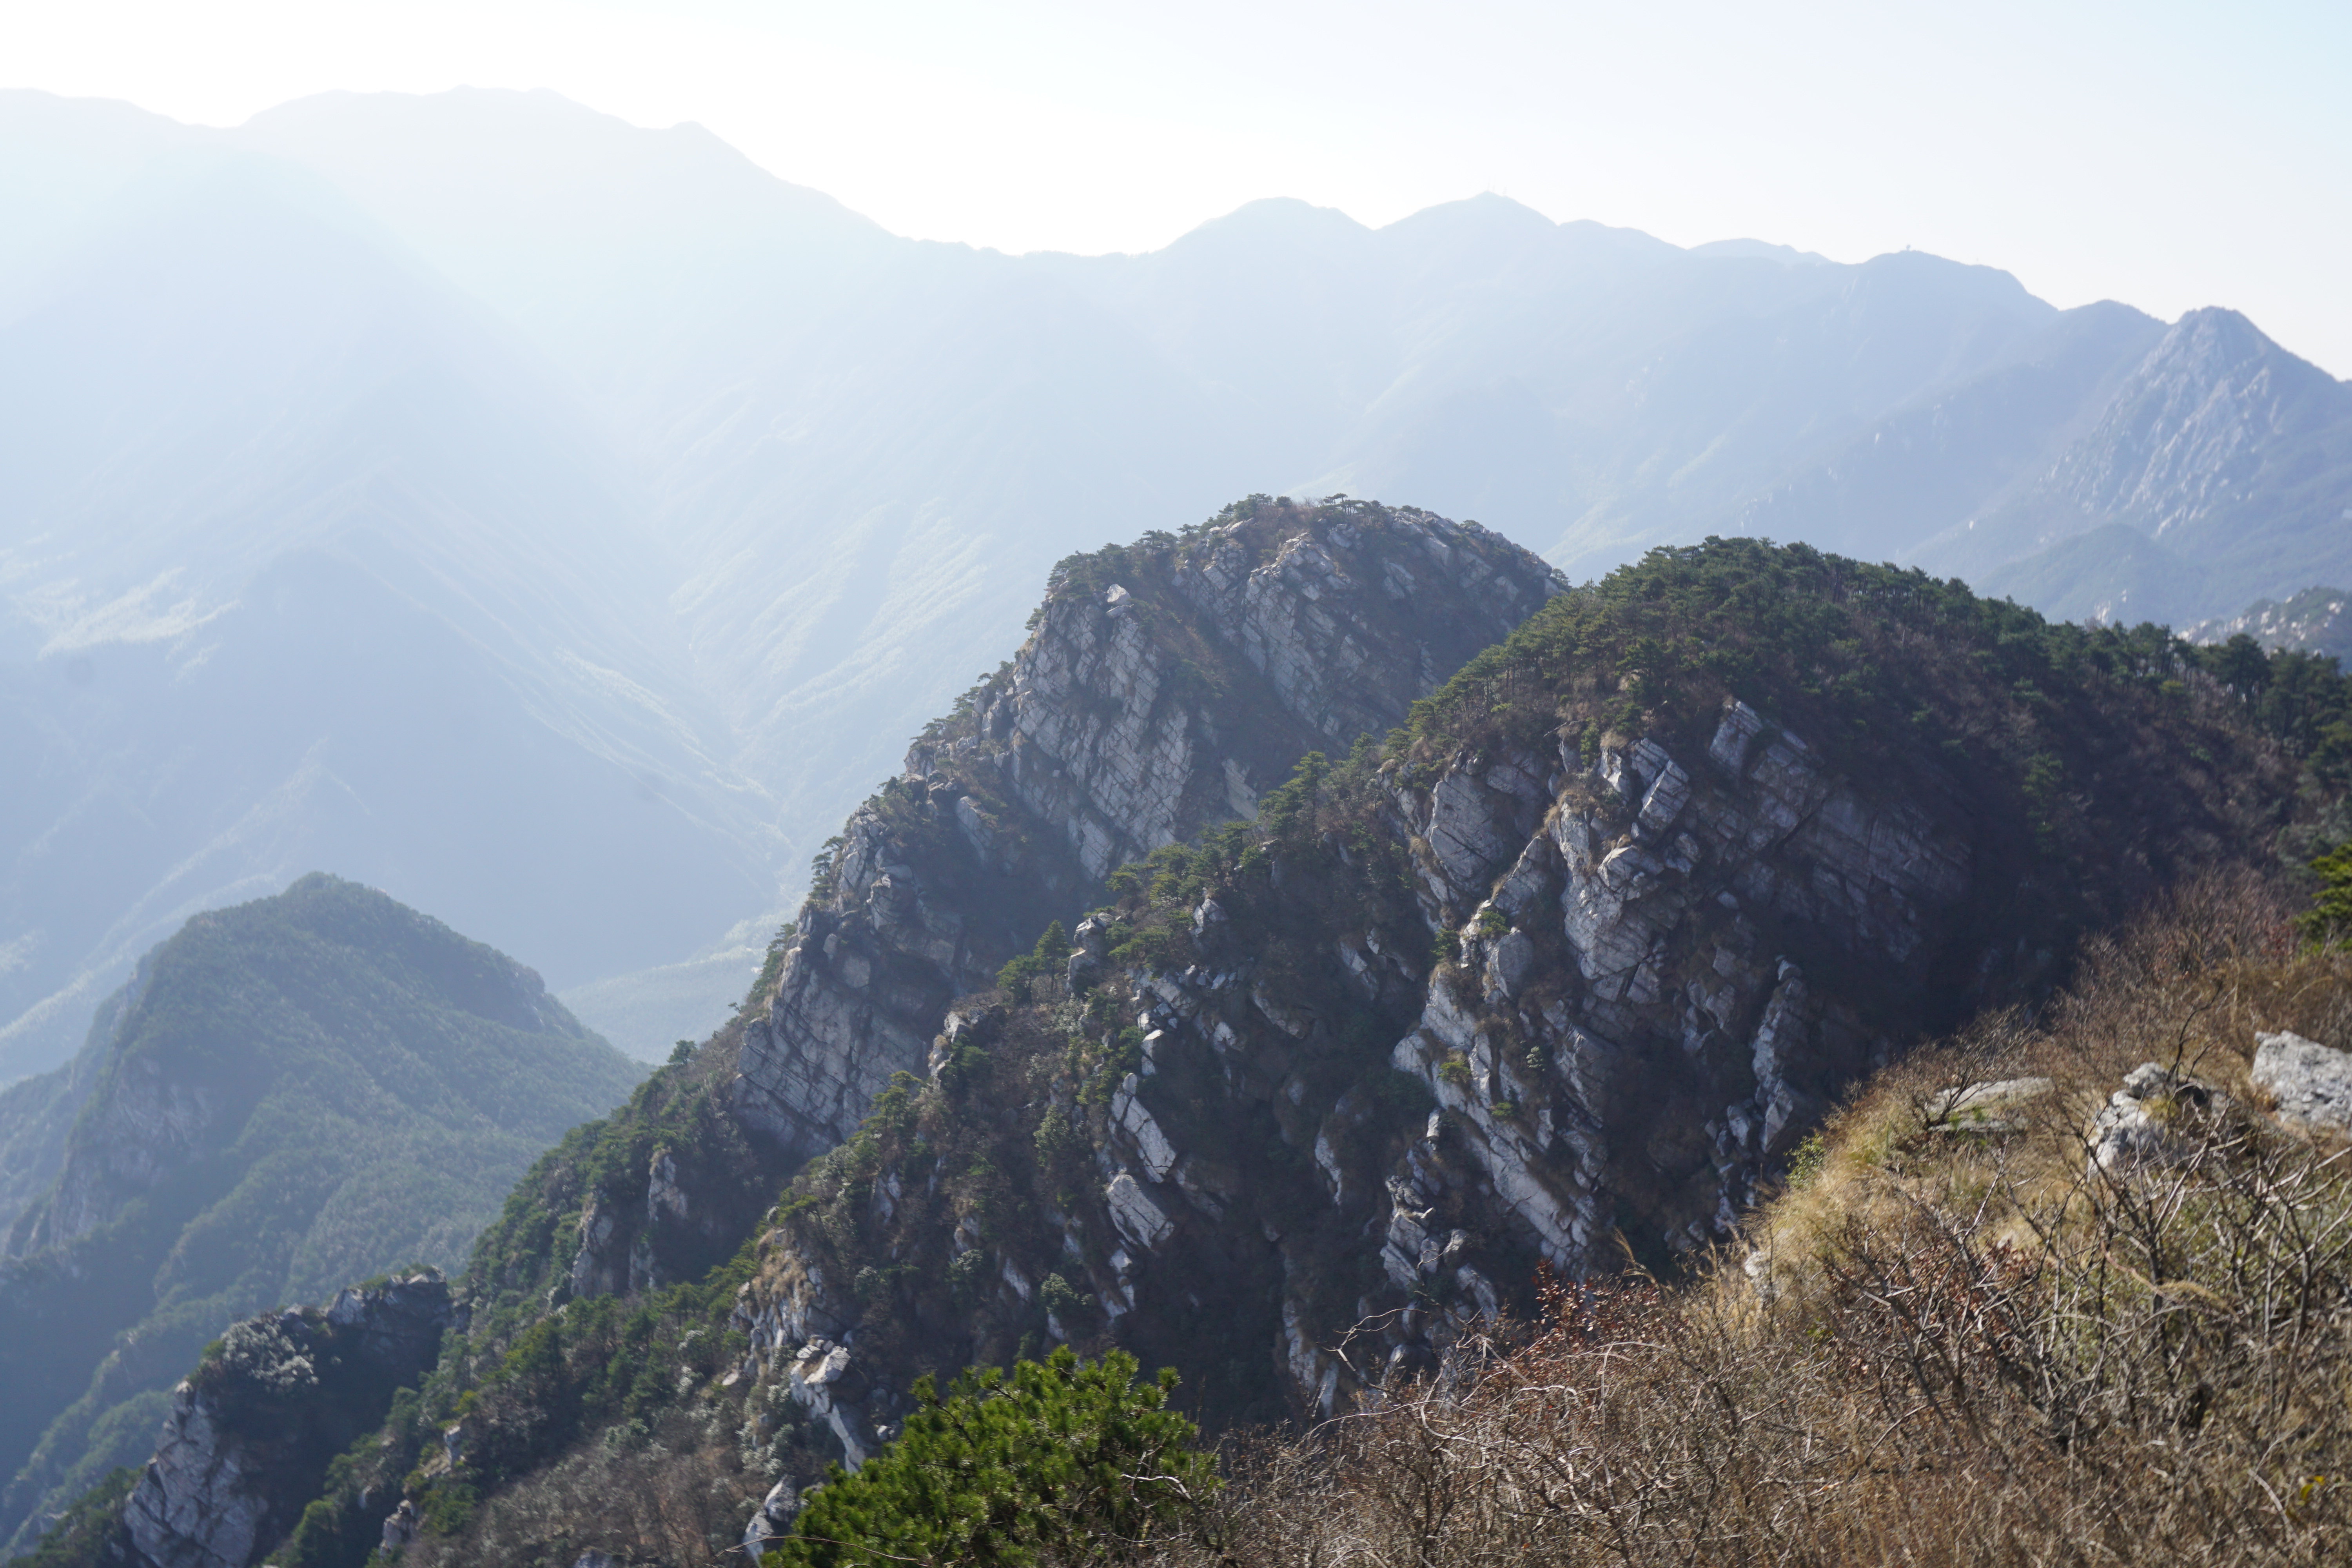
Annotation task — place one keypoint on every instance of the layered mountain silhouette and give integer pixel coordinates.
(561, 523)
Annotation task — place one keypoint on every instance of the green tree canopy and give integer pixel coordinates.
(1075, 1462)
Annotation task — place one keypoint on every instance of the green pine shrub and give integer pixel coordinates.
(1062, 1462)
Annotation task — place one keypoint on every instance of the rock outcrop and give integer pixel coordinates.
(2311, 1082)
(249, 1434)
(1664, 967)
(1164, 687)
(2153, 1122)
(1566, 967)
(1629, 1014)
(289, 1089)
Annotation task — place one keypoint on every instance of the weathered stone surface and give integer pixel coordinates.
(828, 1381)
(1660, 966)
(770, 1521)
(1646, 905)
(2311, 1082)
(1138, 712)
(1140, 1220)
(2158, 1118)
(1152, 1149)
(249, 1435)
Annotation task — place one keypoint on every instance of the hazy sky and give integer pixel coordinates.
(2169, 155)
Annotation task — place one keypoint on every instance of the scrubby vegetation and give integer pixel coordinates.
(1058, 1463)
(1946, 1347)
(994, 1156)
(634, 1373)
(2132, 755)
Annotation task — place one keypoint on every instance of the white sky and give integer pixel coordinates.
(2167, 154)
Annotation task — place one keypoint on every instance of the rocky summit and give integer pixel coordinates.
(249, 1434)
(1162, 689)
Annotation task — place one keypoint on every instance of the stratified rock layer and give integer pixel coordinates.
(1656, 968)
(1164, 687)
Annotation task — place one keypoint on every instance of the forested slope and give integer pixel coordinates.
(290, 1095)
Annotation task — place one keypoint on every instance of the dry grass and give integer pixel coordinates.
(676, 1496)
(1949, 1349)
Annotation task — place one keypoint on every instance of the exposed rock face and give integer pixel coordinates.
(1564, 968)
(2313, 621)
(770, 1521)
(1628, 1017)
(322, 1078)
(698, 1199)
(249, 1434)
(1667, 966)
(1163, 688)
(2312, 1083)
(37, 1115)
(149, 1124)
(2212, 476)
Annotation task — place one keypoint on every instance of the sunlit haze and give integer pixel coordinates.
(2166, 155)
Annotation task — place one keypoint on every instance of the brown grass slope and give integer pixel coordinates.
(1946, 1347)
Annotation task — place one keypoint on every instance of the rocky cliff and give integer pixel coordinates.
(248, 1434)
(2310, 622)
(2213, 475)
(1566, 968)
(1163, 687)
(1564, 965)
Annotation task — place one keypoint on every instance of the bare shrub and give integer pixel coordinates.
(674, 1496)
(1945, 1350)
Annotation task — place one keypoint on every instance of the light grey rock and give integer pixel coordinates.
(1662, 803)
(200, 1503)
(1661, 882)
(1729, 749)
(2125, 1138)
(1101, 743)
(1144, 1133)
(220, 1489)
(1140, 1220)
(400, 1526)
(2154, 1119)
(1508, 963)
(1469, 832)
(770, 1521)
(826, 1379)
(2311, 1082)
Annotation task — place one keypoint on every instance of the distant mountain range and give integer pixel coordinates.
(287, 1096)
(561, 524)
(2311, 622)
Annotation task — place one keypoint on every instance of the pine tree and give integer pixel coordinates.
(1070, 1462)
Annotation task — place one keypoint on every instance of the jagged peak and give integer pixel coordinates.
(2215, 345)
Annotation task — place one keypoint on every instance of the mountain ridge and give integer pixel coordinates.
(840, 461)
(290, 1093)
